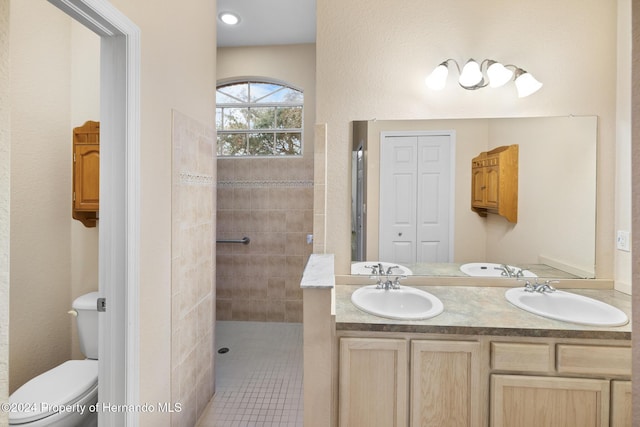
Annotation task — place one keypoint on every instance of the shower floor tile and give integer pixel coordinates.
(259, 380)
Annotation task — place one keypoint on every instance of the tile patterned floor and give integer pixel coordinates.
(259, 380)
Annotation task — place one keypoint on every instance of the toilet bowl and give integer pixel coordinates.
(61, 397)
(65, 396)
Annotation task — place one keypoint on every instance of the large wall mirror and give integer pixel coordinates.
(554, 236)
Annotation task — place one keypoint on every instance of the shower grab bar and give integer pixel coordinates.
(245, 240)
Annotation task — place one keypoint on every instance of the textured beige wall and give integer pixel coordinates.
(85, 105)
(177, 73)
(635, 161)
(40, 328)
(369, 68)
(5, 191)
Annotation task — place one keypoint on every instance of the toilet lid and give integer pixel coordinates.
(63, 385)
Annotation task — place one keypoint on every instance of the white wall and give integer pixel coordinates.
(294, 64)
(623, 260)
(85, 105)
(178, 42)
(372, 58)
(40, 328)
(5, 194)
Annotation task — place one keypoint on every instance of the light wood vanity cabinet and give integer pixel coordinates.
(395, 379)
(494, 182)
(373, 382)
(445, 384)
(381, 384)
(522, 400)
(86, 173)
(580, 386)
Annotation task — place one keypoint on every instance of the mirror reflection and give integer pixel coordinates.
(553, 236)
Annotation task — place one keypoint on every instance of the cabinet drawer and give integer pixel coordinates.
(588, 359)
(521, 357)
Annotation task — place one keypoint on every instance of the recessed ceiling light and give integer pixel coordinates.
(229, 18)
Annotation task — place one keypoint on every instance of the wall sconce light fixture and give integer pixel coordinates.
(495, 75)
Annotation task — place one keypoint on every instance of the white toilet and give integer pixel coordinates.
(63, 396)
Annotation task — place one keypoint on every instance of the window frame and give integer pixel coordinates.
(249, 105)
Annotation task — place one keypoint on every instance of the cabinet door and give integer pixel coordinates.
(373, 382)
(528, 401)
(445, 384)
(492, 183)
(621, 412)
(86, 177)
(477, 187)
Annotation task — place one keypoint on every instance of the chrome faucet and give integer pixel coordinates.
(544, 287)
(510, 272)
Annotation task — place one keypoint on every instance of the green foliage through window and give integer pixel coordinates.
(259, 119)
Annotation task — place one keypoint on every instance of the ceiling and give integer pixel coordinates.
(268, 22)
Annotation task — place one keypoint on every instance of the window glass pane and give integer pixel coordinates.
(270, 111)
(289, 144)
(235, 118)
(219, 119)
(232, 144)
(289, 118)
(261, 144)
(261, 90)
(238, 92)
(285, 95)
(262, 118)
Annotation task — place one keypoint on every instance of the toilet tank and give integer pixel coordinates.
(87, 320)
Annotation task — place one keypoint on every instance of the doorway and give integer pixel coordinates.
(119, 234)
(417, 172)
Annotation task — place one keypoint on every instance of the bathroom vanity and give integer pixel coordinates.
(482, 362)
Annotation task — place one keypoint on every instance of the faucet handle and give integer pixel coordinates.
(528, 286)
(396, 283)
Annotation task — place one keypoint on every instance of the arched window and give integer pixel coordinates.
(258, 118)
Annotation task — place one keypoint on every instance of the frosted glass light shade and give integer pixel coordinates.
(498, 74)
(526, 84)
(470, 75)
(438, 77)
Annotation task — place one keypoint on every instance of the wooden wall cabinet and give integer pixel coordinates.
(494, 182)
(86, 173)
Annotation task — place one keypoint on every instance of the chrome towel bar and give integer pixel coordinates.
(245, 240)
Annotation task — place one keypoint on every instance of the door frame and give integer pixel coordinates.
(119, 233)
(451, 133)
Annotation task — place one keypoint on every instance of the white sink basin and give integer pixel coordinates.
(365, 267)
(490, 269)
(405, 303)
(568, 307)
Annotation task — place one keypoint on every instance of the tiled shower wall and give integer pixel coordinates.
(192, 268)
(271, 202)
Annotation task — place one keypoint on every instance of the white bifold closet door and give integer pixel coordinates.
(415, 198)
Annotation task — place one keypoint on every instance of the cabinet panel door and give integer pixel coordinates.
(373, 382)
(445, 384)
(528, 401)
(492, 179)
(87, 177)
(621, 411)
(477, 187)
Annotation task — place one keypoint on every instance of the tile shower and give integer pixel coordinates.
(271, 202)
